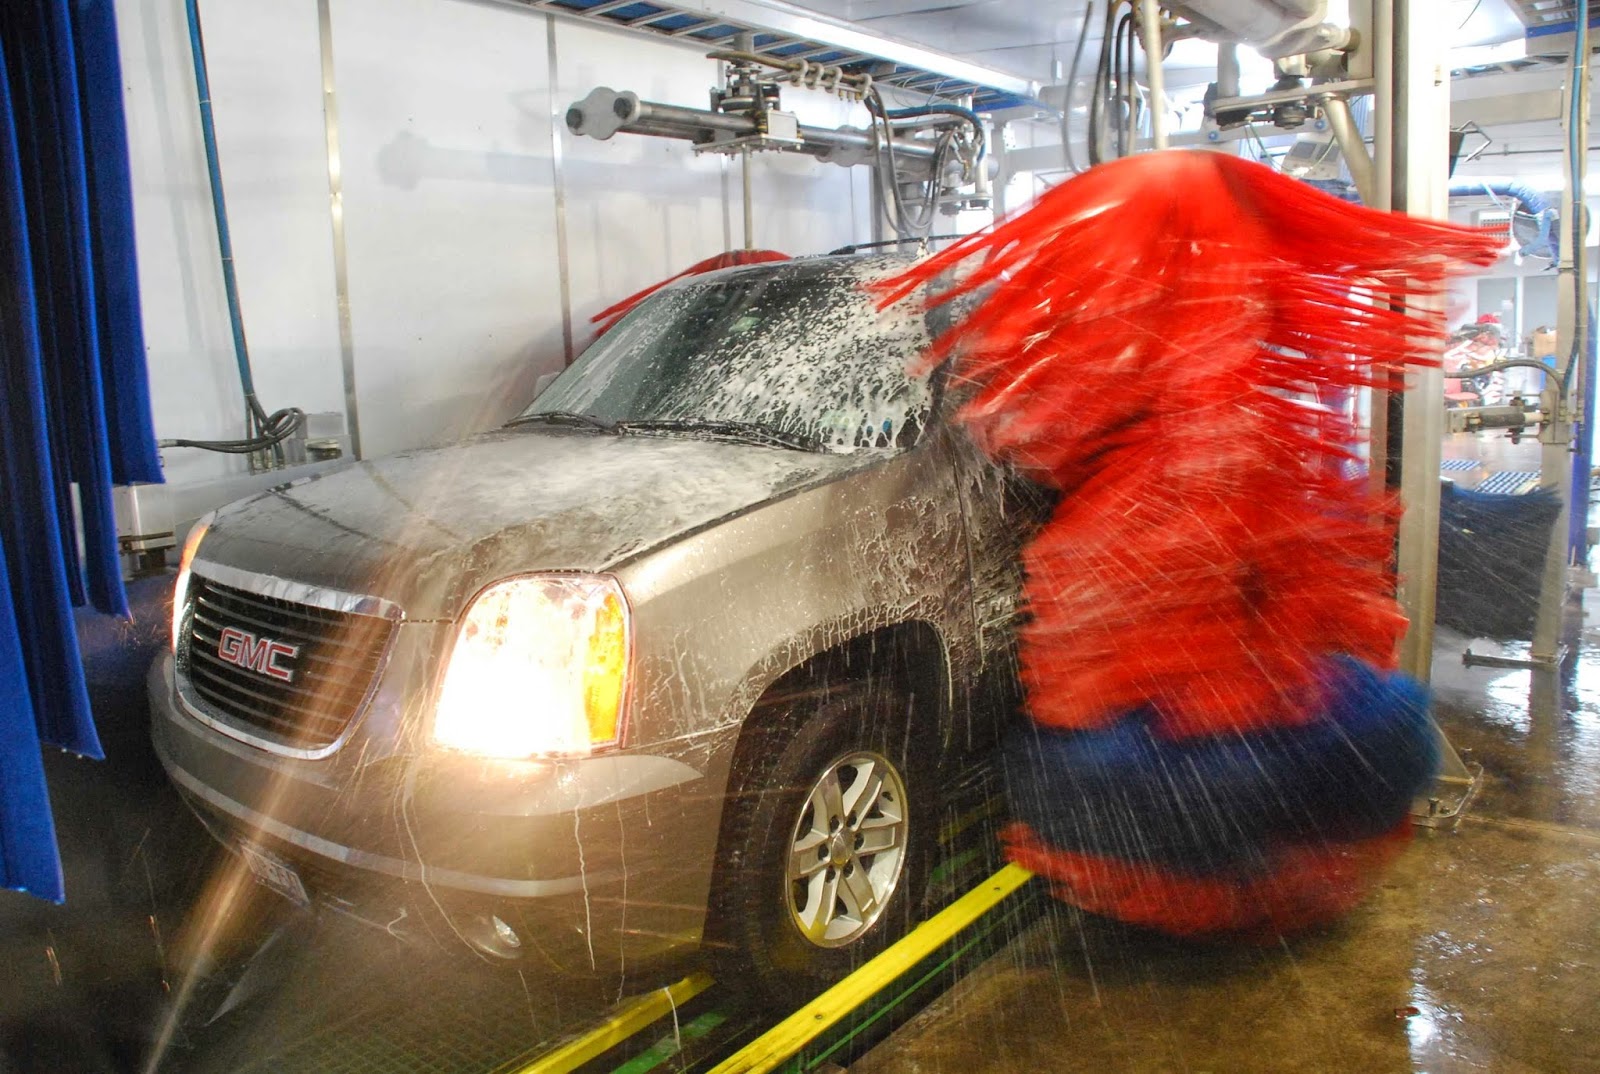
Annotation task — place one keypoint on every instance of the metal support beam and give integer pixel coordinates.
(558, 184)
(749, 199)
(1413, 127)
(1555, 459)
(1534, 107)
(341, 260)
(1420, 186)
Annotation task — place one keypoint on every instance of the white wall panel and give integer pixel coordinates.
(446, 114)
(266, 93)
(638, 209)
(449, 215)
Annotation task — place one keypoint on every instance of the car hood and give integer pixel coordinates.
(427, 528)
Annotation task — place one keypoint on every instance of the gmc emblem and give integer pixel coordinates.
(261, 655)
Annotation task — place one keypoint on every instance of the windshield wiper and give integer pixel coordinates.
(747, 432)
(563, 417)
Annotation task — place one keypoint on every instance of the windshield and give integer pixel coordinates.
(798, 353)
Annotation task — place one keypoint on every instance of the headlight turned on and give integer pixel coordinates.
(538, 669)
(180, 590)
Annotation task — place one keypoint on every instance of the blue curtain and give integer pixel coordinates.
(76, 407)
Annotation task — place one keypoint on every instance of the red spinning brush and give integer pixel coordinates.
(1156, 328)
(1157, 332)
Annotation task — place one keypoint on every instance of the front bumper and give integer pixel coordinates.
(553, 848)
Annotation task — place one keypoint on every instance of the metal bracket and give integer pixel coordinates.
(1347, 88)
(1535, 663)
(1453, 788)
(734, 144)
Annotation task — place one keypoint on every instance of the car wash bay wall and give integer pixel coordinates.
(457, 177)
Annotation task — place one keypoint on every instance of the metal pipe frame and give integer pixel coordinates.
(704, 127)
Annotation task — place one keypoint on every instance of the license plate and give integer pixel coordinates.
(275, 873)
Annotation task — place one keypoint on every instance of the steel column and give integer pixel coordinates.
(341, 262)
(1412, 110)
(558, 182)
(1572, 300)
(1150, 23)
(1419, 158)
(749, 200)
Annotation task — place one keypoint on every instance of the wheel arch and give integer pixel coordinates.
(912, 654)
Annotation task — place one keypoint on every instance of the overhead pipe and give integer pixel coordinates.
(1228, 69)
(606, 112)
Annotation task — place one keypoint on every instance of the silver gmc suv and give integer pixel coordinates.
(684, 655)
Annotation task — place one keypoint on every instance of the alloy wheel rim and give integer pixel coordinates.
(847, 849)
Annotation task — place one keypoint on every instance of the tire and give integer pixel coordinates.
(827, 858)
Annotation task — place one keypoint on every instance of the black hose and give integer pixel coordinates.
(1126, 88)
(1104, 82)
(1512, 363)
(1119, 80)
(893, 201)
(1072, 83)
(1102, 78)
(278, 427)
(944, 110)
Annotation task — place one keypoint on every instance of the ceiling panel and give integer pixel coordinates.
(1028, 37)
(1020, 36)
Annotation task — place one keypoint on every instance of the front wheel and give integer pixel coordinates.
(847, 851)
(828, 856)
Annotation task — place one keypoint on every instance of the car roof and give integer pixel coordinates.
(861, 267)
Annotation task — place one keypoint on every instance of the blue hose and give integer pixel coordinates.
(208, 130)
(1575, 131)
(1583, 343)
(1533, 202)
(1583, 456)
(1530, 201)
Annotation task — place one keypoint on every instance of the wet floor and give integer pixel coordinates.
(1481, 951)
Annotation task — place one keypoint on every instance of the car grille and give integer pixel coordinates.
(336, 659)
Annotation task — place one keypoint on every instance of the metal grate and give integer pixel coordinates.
(1458, 465)
(1510, 482)
(783, 31)
(305, 696)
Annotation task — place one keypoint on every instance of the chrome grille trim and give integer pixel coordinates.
(257, 727)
